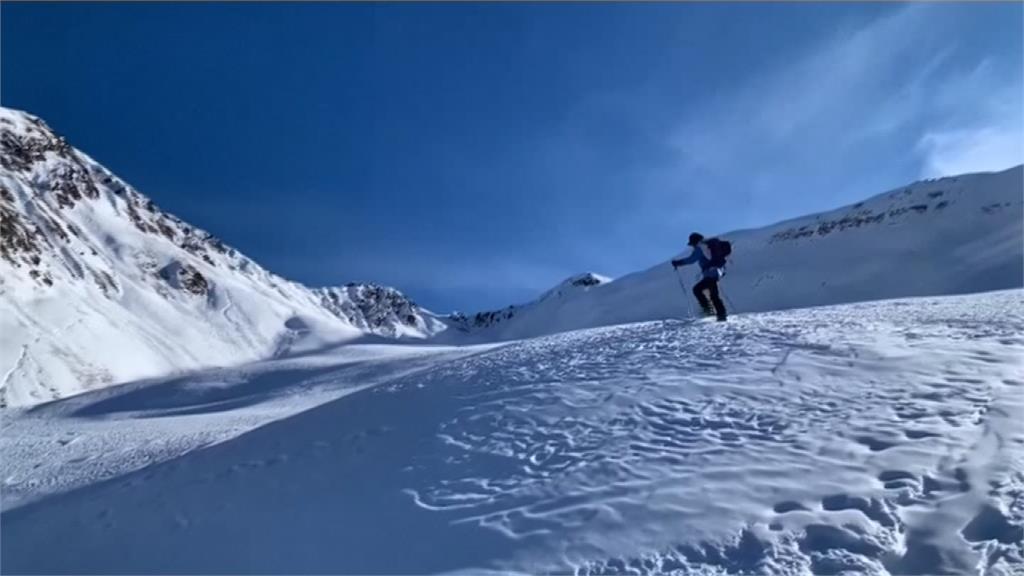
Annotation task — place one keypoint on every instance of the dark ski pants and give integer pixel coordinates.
(711, 286)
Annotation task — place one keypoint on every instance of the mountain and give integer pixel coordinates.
(944, 236)
(877, 437)
(99, 285)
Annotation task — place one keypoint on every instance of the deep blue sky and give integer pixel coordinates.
(473, 155)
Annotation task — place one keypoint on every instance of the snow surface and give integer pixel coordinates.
(880, 437)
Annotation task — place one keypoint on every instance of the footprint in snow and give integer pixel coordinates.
(789, 506)
(875, 444)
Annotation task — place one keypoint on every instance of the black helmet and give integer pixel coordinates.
(695, 239)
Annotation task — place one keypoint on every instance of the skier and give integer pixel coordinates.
(712, 269)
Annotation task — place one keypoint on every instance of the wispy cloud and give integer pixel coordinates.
(845, 82)
(620, 179)
(982, 149)
(886, 98)
(630, 170)
(983, 128)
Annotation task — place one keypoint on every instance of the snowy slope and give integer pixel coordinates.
(873, 438)
(98, 285)
(948, 236)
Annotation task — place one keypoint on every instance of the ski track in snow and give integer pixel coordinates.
(869, 438)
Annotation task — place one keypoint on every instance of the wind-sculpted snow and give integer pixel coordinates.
(878, 438)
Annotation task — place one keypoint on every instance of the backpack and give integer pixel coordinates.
(719, 249)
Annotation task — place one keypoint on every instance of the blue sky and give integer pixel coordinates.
(474, 155)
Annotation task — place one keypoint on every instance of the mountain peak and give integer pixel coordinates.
(575, 283)
(99, 285)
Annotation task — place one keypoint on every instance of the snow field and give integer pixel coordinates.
(878, 438)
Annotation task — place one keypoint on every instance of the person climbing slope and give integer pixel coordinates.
(712, 267)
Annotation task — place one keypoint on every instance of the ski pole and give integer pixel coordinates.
(682, 286)
(732, 307)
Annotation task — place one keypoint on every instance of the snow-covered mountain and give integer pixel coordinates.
(947, 236)
(98, 285)
(870, 438)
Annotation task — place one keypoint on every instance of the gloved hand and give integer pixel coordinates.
(675, 263)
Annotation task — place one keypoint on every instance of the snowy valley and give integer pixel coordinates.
(173, 407)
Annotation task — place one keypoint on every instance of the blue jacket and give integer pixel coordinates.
(698, 256)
